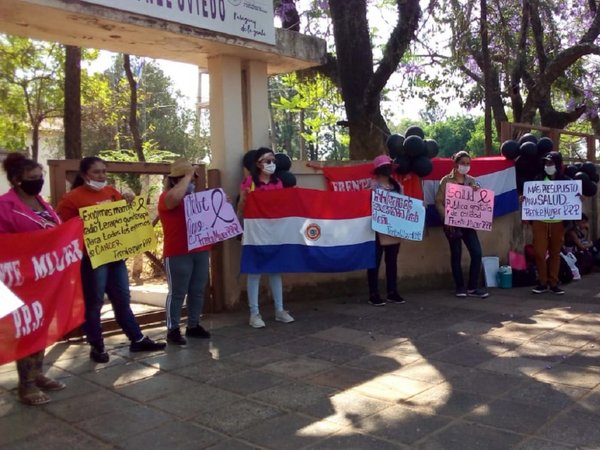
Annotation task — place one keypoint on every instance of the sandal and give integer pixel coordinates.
(48, 384)
(33, 397)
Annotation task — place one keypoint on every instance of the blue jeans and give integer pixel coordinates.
(276, 289)
(186, 275)
(112, 279)
(469, 237)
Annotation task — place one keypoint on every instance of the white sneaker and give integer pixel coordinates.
(283, 316)
(256, 321)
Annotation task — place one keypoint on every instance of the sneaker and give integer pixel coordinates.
(256, 321)
(197, 332)
(99, 355)
(461, 292)
(556, 290)
(283, 316)
(395, 298)
(481, 293)
(540, 289)
(174, 337)
(146, 345)
(376, 300)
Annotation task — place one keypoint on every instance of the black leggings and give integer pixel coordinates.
(391, 268)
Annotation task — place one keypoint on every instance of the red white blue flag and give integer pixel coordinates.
(307, 230)
(495, 173)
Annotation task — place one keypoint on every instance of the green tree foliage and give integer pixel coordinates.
(31, 77)
(305, 111)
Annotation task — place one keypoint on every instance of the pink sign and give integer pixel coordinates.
(209, 218)
(466, 207)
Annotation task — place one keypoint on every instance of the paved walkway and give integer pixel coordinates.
(512, 371)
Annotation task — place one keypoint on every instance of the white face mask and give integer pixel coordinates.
(463, 169)
(269, 168)
(96, 185)
(550, 170)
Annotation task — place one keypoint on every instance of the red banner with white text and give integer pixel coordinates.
(358, 177)
(43, 269)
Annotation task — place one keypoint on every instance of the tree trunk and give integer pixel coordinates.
(35, 140)
(72, 120)
(487, 102)
(133, 120)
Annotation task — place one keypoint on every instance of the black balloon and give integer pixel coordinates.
(589, 188)
(529, 150)
(414, 130)
(510, 149)
(526, 169)
(589, 168)
(432, 148)
(248, 160)
(283, 162)
(545, 145)
(595, 178)
(287, 178)
(584, 177)
(402, 164)
(422, 166)
(578, 166)
(394, 145)
(414, 146)
(570, 171)
(528, 137)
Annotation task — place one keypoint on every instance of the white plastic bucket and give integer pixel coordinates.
(491, 264)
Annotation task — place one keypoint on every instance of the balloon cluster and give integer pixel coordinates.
(412, 152)
(283, 163)
(528, 152)
(587, 173)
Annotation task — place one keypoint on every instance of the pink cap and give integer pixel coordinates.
(381, 160)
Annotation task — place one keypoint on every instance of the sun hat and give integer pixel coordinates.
(381, 160)
(180, 167)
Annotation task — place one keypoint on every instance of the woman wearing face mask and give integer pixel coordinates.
(263, 178)
(382, 169)
(21, 210)
(456, 236)
(548, 235)
(187, 271)
(90, 188)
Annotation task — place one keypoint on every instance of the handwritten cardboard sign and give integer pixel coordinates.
(397, 215)
(209, 218)
(466, 207)
(552, 200)
(117, 230)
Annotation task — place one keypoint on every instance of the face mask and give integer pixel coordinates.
(269, 168)
(463, 169)
(32, 187)
(96, 185)
(550, 170)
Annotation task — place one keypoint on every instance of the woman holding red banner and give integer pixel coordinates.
(262, 178)
(22, 209)
(382, 169)
(187, 270)
(90, 188)
(457, 235)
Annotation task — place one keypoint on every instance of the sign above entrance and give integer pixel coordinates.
(249, 19)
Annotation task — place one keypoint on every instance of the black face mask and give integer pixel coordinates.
(32, 187)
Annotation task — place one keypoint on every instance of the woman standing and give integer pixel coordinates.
(382, 169)
(263, 178)
(90, 188)
(456, 235)
(21, 210)
(187, 271)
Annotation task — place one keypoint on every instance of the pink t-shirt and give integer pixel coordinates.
(247, 184)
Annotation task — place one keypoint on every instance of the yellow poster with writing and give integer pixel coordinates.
(117, 230)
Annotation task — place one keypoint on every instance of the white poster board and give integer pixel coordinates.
(552, 200)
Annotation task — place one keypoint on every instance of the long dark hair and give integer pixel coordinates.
(255, 172)
(386, 171)
(16, 164)
(84, 166)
